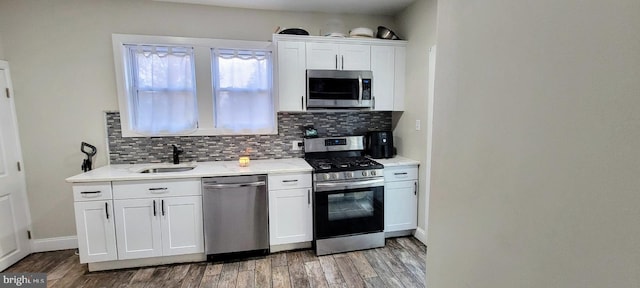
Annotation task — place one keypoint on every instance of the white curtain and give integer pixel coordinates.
(242, 90)
(163, 86)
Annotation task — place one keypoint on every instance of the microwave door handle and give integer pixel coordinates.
(360, 89)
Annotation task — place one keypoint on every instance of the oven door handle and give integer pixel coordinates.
(328, 186)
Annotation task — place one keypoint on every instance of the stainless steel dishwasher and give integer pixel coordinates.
(236, 215)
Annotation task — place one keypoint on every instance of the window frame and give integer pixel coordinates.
(203, 62)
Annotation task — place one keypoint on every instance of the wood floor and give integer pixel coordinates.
(401, 263)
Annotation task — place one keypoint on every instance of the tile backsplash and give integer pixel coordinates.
(132, 150)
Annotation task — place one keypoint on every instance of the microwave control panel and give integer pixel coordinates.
(366, 89)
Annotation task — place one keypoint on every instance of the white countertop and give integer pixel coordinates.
(397, 161)
(123, 172)
(119, 172)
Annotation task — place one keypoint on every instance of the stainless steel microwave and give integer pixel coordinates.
(339, 89)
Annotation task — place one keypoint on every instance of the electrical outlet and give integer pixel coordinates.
(417, 125)
(296, 145)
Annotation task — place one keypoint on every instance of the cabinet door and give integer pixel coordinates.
(291, 75)
(182, 228)
(96, 231)
(138, 228)
(399, 78)
(323, 56)
(400, 206)
(290, 216)
(355, 57)
(382, 66)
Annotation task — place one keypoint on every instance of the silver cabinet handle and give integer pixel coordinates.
(402, 173)
(162, 207)
(234, 185)
(289, 181)
(302, 103)
(342, 62)
(106, 209)
(309, 196)
(154, 208)
(415, 188)
(336, 61)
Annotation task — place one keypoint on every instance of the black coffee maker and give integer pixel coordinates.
(380, 144)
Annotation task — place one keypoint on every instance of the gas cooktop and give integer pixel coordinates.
(323, 165)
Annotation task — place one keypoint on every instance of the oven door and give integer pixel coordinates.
(348, 210)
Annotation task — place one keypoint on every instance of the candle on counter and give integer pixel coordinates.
(244, 159)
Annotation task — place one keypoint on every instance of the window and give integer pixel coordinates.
(180, 86)
(162, 89)
(242, 90)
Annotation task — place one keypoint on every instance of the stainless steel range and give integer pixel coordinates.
(348, 193)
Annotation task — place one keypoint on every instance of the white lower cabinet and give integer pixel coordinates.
(96, 231)
(290, 210)
(400, 198)
(159, 227)
(138, 228)
(182, 226)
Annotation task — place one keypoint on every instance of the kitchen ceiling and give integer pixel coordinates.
(371, 7)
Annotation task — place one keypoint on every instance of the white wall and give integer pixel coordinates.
(1, 48)
(536, 160)
(63, 74)
(417, 23)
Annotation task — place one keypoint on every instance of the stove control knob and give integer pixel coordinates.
(326, 176)
(336, 176)
(348, 175)
(364, 173)
(373, 173)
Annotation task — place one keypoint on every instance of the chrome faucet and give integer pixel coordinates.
(176, 154)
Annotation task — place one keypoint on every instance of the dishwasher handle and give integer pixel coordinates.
(234, 185)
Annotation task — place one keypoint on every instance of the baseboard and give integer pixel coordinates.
(421, 235)
(53, 244)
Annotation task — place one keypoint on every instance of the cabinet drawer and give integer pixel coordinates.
(289, 181)
(400, 173)
(156, 188)
(92, 191)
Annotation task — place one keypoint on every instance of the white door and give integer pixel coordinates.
(138, 228)
(382, 66)
(290, 216)
(291, 76)
(355, 57)
(323, 56)
(14, 211)
(400, 206)
(182, 227)
(96, 231)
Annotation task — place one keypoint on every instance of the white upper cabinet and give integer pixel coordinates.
(333, 56)
(291, 75)
(323, 56)
(400, 62)
(388, 67)
(297, 54)
(355, 57)
(382, 66)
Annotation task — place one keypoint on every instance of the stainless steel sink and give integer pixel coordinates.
(167, 169)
